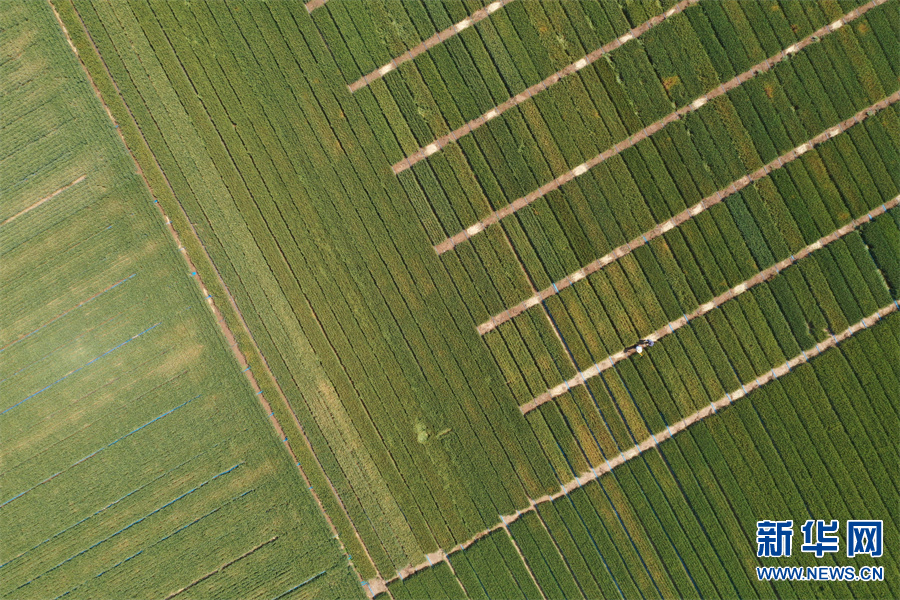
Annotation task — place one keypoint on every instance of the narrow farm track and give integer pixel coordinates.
(44, 199)
(437, 38)
(764, 275)
(439, 143)
(230, 338)
(655, 439)
(683, 216)
(520, 203)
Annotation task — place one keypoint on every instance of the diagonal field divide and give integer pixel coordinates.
(437, 38)
(44, 199)
(766, 65)
(470, 126)
(655, 439)
(201, 256)
(683, 216)
(581, 377)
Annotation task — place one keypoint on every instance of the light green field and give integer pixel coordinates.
(135, 458)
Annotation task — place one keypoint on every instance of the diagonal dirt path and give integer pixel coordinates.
(438, 38)
(44, 199)
(685, 215)
(764, 275)
(439, 143)
(520, 203)
(670, 431)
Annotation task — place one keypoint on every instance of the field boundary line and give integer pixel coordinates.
(516, 205)
(439, 37)
(439, 143)
(314, 4)
(764, 275)
(685, 215)
(221, 567)
(44, 199)
(199, 250)
(458, 580)
(299, 585)
(670, 431)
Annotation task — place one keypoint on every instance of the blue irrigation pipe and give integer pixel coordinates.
(84, 366)
(57, 318)
(101, 449)
(129, 526)
(300, 585)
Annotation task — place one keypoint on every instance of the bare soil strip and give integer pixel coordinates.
(314, 4)
(765, 275)
(44, 199)
(221, 568)
(670, 431)
(437, 38)
(645, 133)
(683, 216)
(439, 143)
(220, 319)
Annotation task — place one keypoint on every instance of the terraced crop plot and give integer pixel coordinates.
(439, 230)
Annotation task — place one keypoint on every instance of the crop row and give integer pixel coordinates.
(497, 56)
(649, 337)
(589, 237)
(115, 434)
(584, 242)
(725, 164)
(764, 456)
(716, 478)
(751, 231)
(314, 277)
(438, 581)
(491, 568)
(363, 40)
(658, 283)
(883, 242)
(639, 417)
(748, 264)
(743, 338)
(434, 84)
